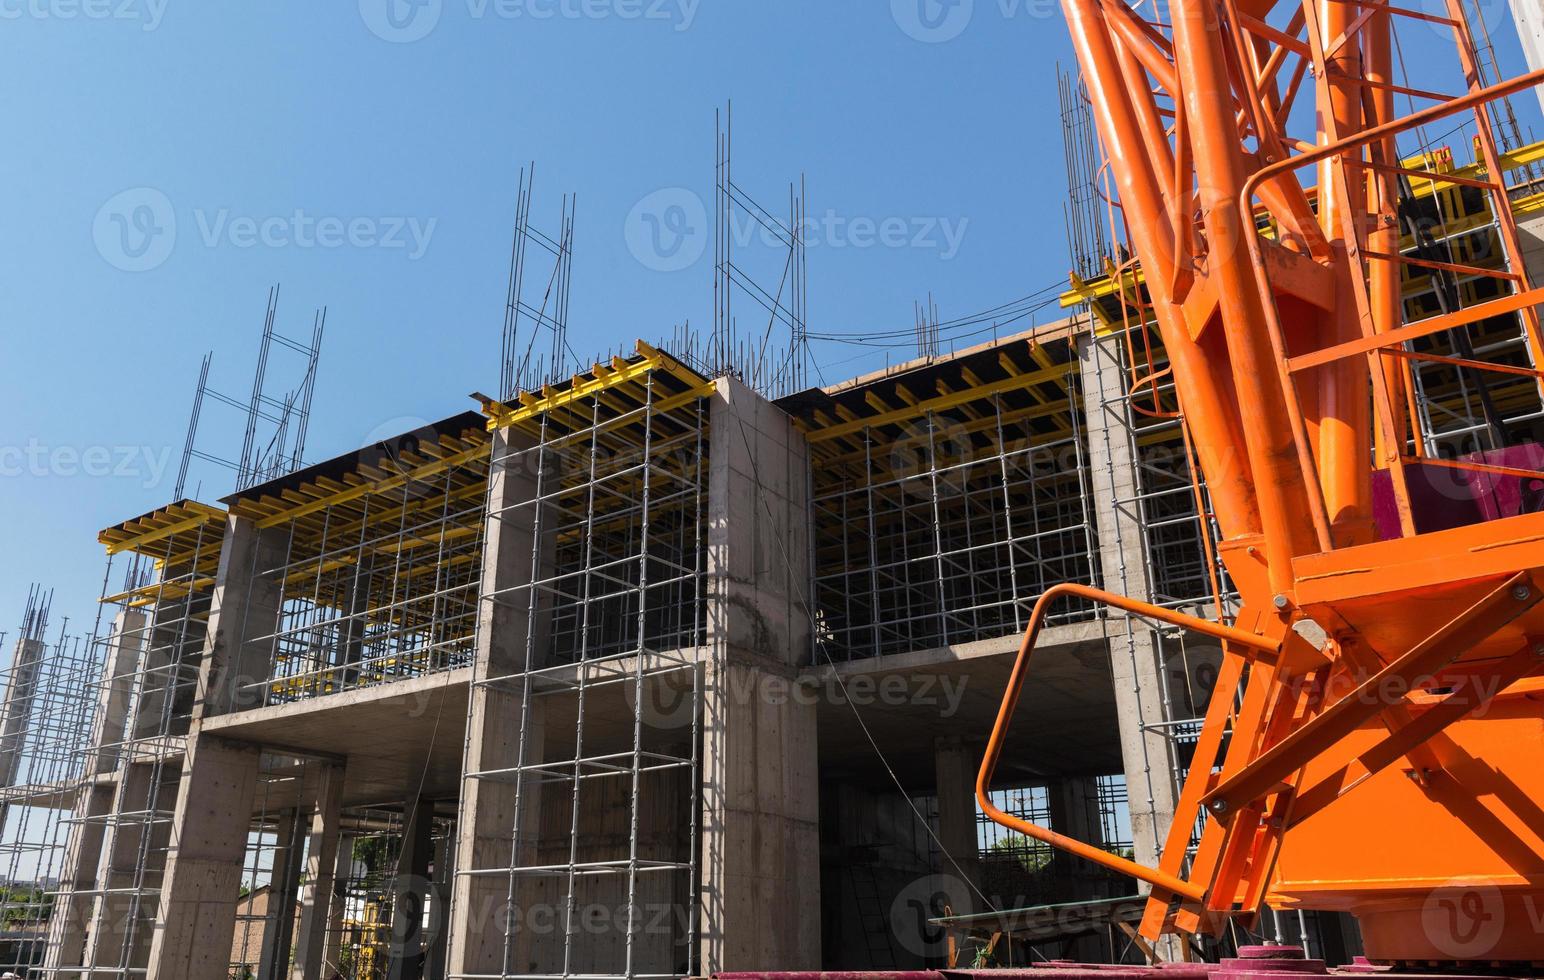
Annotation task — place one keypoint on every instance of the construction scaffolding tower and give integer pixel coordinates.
(146, 661)
(45, 723)
(597, 547)
(367, 566)
(947, 497)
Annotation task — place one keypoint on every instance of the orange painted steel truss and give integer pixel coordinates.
(1375, 741)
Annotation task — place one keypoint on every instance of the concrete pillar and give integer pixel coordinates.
(410, 891)
(1073, 803)
(955, 768)
(283, 893)
(21, 689)
(68, 924)
(322, 863)
(132, 858)
(488, 814)
(21, 692)
(1530, 232)
(125, 646)
(197, 911)
(439, 916)
(1530, 30)
(161, 702)
(244, 610)
(1134, 660)
(760, 857)
(333, 940)
(350, 651)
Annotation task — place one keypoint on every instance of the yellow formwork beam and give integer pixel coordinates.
(201, 514)
(941, 403)
(375, 486)
(583, 386)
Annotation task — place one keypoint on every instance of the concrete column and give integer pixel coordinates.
(1074, 812)
(244, 610)
(283, 893)
(410, 891)
(350, 651)
(162, 703)
(125, 646)
(332, 941)
(1530, 30)
(1530, 228)
(197, 911)
(955, 770)
(1134, 661)
(72, 907)
(118, 937)
(21, 689)
(76, 904)
(322, 863)
(439, 916)
(760, 857)
(489, 807)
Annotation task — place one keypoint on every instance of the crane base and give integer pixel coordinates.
(1252, 963)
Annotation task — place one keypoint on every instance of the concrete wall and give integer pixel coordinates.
(507, 641)
(874, 860)
(1529, 17)
(760, 852)
(1134, 655)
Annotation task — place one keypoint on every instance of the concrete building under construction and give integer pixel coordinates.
(642, 674)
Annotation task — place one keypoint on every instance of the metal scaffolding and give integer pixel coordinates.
(371, 562)
(45, 723)
(609, 487)
(145, 655)
(947, 497)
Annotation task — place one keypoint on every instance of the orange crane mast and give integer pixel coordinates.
(1375, 744)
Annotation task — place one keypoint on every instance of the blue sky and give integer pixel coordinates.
(366, 158)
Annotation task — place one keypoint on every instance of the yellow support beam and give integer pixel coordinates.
(202, 514)
(375, 486)
(942, 402)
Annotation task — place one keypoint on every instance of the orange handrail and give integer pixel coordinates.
(1153, 876)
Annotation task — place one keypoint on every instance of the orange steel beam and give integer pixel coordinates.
(1509, 600)
(1158, 878)
(1468, 696)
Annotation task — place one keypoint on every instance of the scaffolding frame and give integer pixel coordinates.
(45, 725)
(946, 498)
(379, 566)
(614, 502)
(148, 661)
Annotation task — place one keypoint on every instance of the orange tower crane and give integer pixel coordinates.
(1375, 743)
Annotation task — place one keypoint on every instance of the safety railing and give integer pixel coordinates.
(1399, 439)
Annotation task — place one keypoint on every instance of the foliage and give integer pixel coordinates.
(1031, 855)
